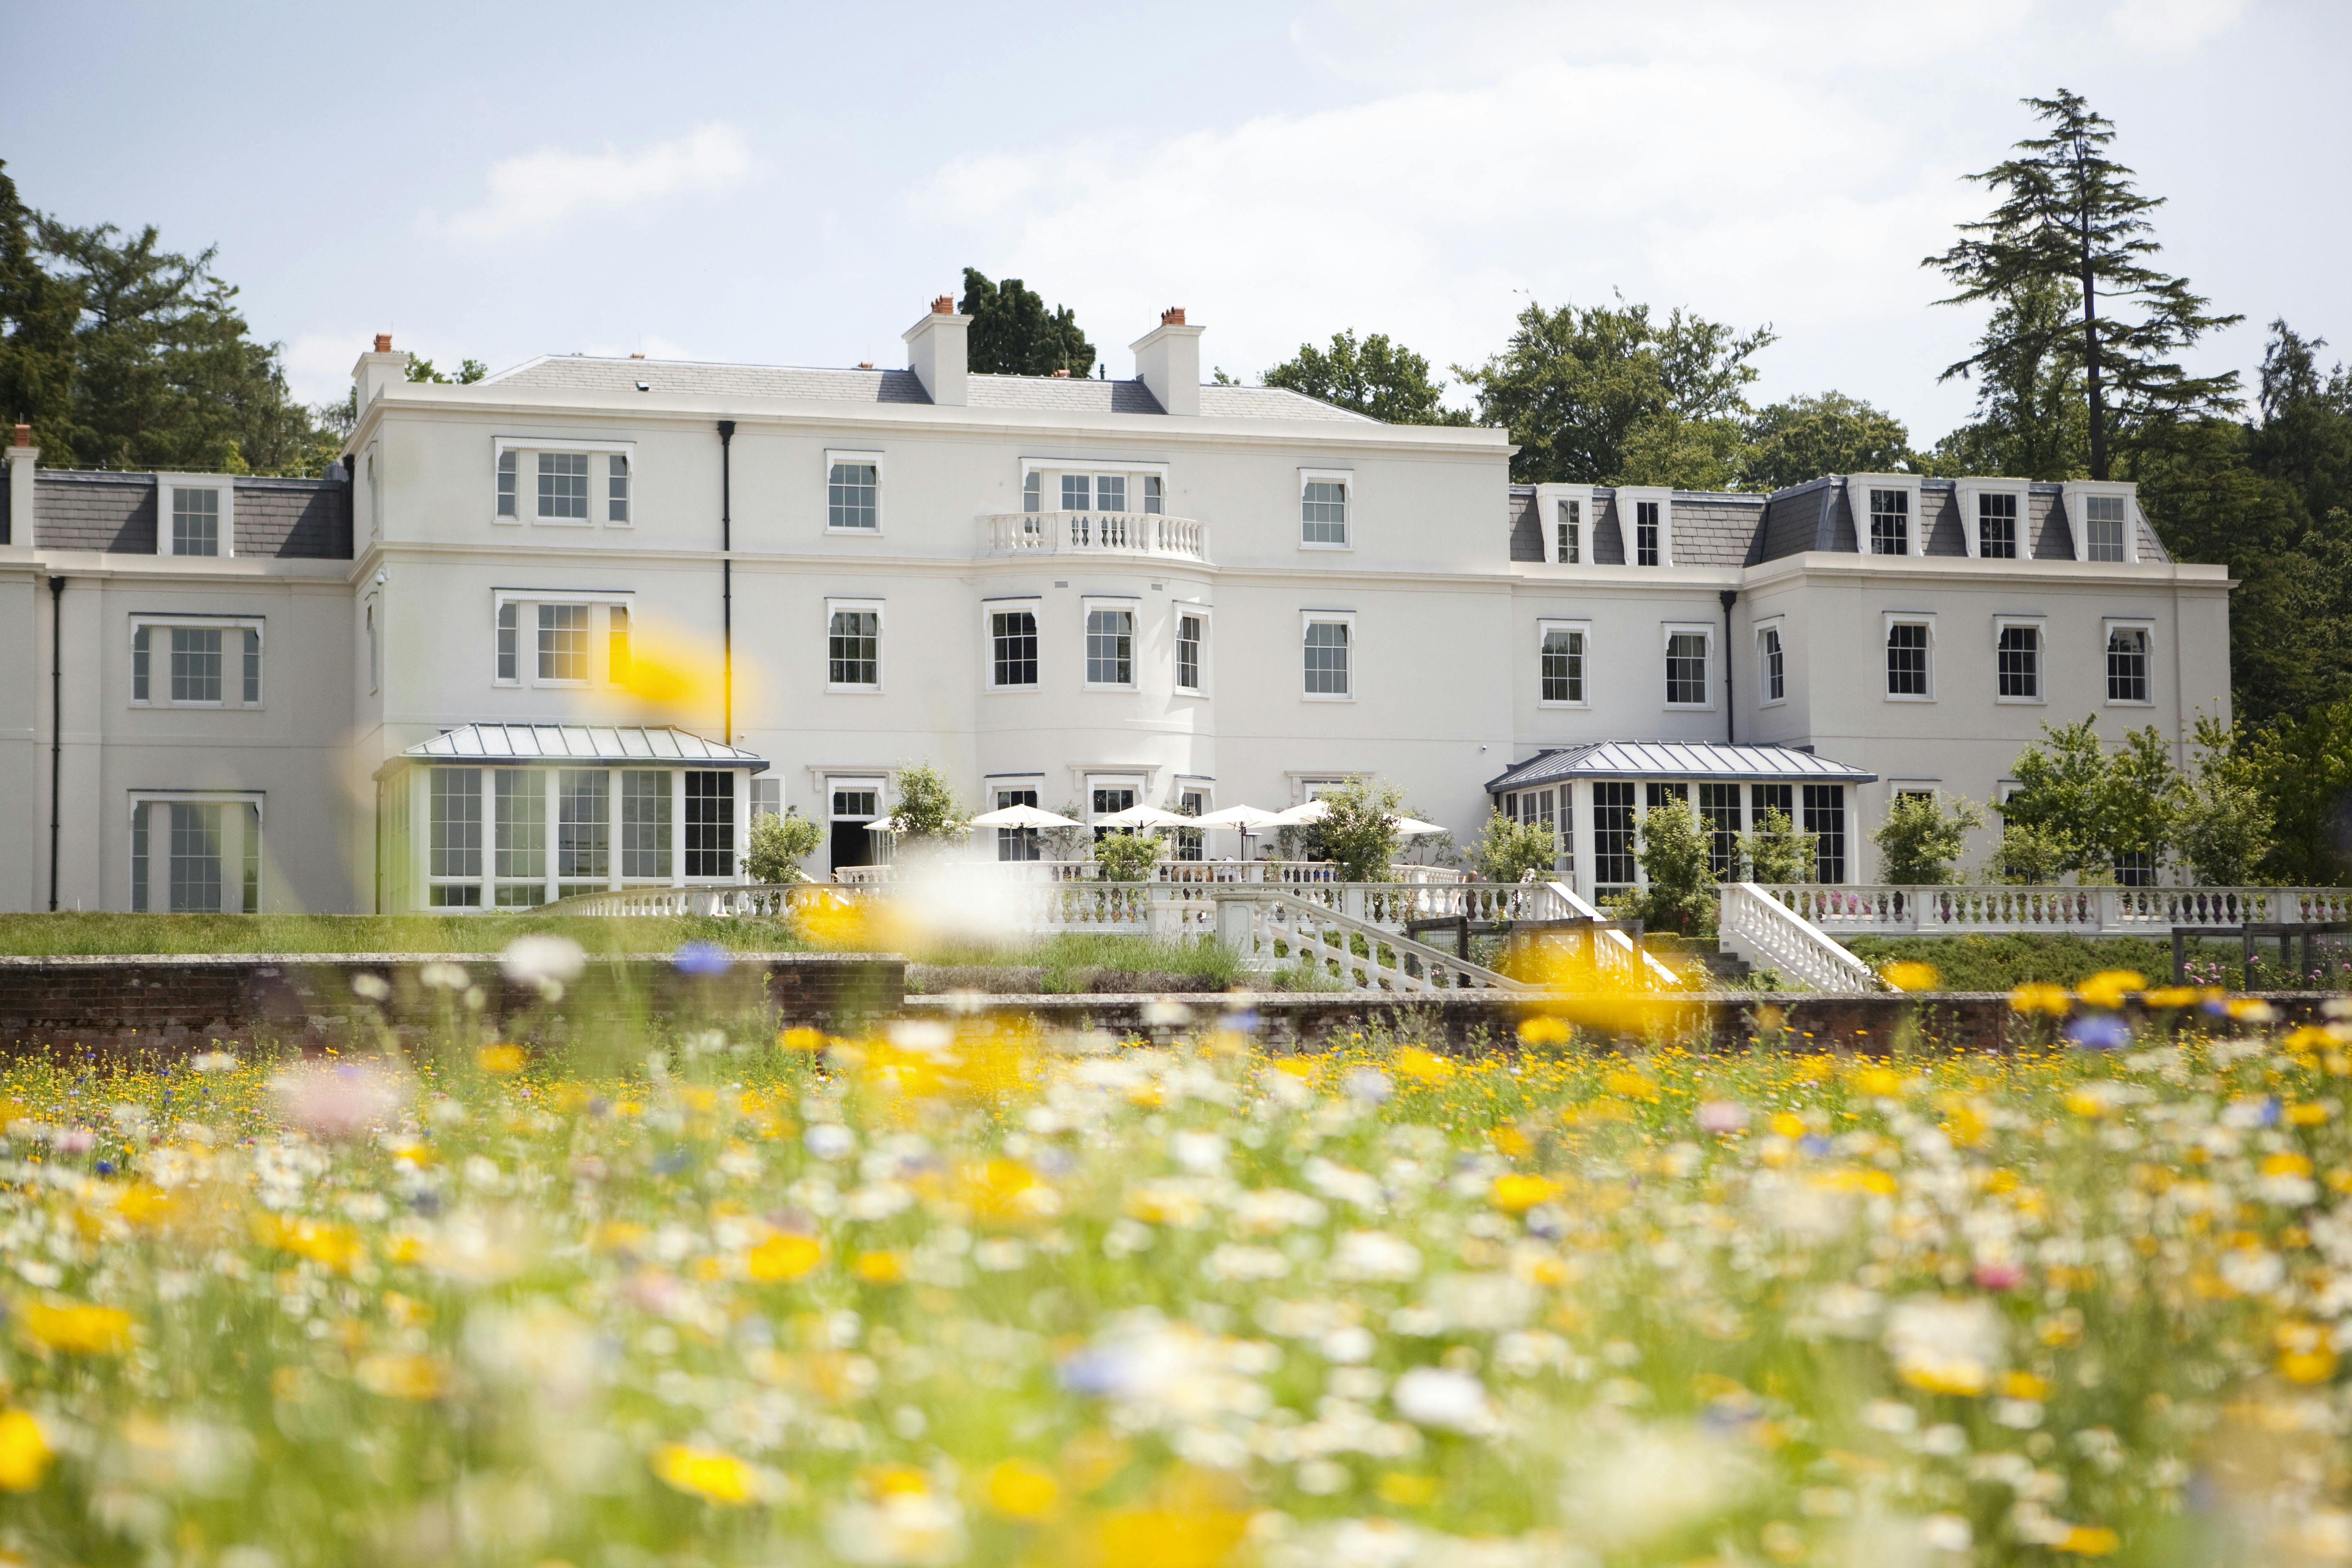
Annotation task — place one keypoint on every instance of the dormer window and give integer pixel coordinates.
(1647, 534)
(196, 515)
(1890, 522)
(1997, 527)
(1646, 524)
(2103, 526)
(1569, 531)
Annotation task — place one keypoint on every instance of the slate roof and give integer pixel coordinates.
(1728, 528)
(581, 743)
(1674, 759)
(1043, 393)
(84, 508)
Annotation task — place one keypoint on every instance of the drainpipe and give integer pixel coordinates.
(727, 576)
(57, 723)
(1729, 596)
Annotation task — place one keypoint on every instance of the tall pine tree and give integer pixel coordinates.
(2069, 217)
(1012, 332)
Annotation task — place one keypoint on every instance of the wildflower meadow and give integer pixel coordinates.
(946, 1295)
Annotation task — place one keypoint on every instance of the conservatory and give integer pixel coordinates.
(513, 816)
(1592, 798)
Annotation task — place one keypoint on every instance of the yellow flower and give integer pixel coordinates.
(2110, 986)
(2286, 1162)
(784, 1258)
(1627, 1084)
(2305, 1355)
(2039, 996)
(1169, 1538)
(1787, 1125)
(705, 1473)
(1420, 1066)
(335, 1246)
(1879, 1081)
(416, 1377)
(1517, 1192)
(2306, 1114)
(501, 1058)
(2089, 1540)
(806, 1040)
(1906, 976)
(1017, 1488)
(1543, 1032)
(1402, 1490)
(24, 1454)
(2024, 1385)
(2173, 996)
(79, 1327)
(879, 1267)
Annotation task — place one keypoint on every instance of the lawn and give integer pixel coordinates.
(931, 1299)
(80, 933)
(2005, 962)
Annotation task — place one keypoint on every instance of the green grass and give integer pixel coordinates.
(2005, 962)
(48, 935)
(1071, 962)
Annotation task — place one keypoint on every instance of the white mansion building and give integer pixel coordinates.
(394, 687)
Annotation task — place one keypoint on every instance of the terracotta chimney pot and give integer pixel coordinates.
(1173, 317)
(637, 356)
(944, 306)
(865, 364)
(383, 343)
(24, 434)
(1063, 372)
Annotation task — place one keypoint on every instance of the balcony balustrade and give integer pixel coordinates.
(1150, 534)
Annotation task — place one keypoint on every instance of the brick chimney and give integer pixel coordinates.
(1168, 361)
(378, 369)
(939, 353)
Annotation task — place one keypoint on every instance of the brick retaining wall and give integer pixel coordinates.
(1727, 1021)
(190, 999)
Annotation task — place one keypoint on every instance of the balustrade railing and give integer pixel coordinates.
(1892, 911)
(1096, 534)
(1763, 927)
(1185, 872)
(1274, 928)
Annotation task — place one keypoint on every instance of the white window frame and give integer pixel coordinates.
(2108, 627)
(1964, 493)
(159, 660)
(1857, 490)
(1088, 605)
(881, 646)
(1093, 779)
(1898, 788)
(1177, 610)
(1887, 623)
(834, 455)
(2041, 627)
(1355, 655)
(1345, 480)
(989, 610)
(1628, 498)
(2078, 522)
(1544, 628)
(1547, 499)
(1779, 626)
(257, 799)
(1668, 632)
(223, 487)
(526, 449)
(600, 638)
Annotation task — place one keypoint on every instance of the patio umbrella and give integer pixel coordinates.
(1022, 817)
(1300, 815)
(1242, 817)
(886, 825)
(1411, 825)
(1145, 817)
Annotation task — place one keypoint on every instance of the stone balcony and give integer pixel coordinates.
(1111, 534)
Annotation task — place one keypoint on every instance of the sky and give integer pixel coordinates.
(792, 184)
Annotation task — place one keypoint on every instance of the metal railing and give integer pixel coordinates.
(1757, 924)
(1096, 534)
(1888, 909)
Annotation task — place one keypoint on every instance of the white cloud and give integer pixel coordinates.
(542, 189)
(2173, 26)
(1749, 192)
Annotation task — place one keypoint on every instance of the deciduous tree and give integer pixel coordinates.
(1013, 332)
(1376, 377)
(1802, 438)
